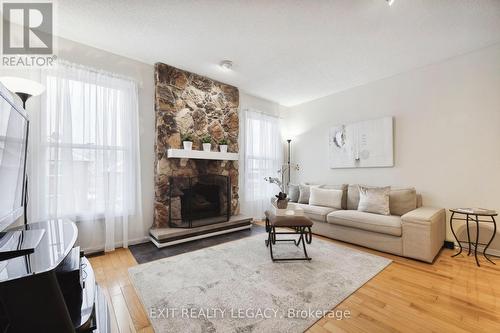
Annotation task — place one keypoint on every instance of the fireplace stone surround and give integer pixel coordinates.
(187, 103)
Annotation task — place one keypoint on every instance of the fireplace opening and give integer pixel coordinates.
(198, 201)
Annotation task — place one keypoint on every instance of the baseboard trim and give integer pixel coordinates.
(96, 250)
(480, 249)
(188, 239)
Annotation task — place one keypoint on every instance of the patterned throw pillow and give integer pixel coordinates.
(374, 200)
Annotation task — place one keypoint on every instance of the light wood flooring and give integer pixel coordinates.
(452, 295)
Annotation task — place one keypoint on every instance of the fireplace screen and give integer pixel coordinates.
(199, 201)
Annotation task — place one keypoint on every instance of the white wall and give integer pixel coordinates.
(447, 131)
(263, 105)
(144, 75)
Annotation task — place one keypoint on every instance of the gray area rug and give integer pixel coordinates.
(235, 287)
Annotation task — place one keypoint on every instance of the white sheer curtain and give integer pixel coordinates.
(85, 154)
(261, 156)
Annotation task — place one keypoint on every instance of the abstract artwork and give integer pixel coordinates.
(364, 144)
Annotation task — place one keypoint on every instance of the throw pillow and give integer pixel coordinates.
(304, 193)
(402, 201)
(326, 197)
(374, 200)
(293, 192)
(342, 187)
(353, 196)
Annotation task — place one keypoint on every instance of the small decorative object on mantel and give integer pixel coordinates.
(187, 141)
(207, 142)
(282, 202)
(223, 145)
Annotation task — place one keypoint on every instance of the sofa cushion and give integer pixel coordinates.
(402, 201)
(293, 192)
(316, 213)
(326, 197)
(374, 200)
(342, 187)
(384, 224)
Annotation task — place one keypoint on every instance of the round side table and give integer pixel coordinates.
(477, 215)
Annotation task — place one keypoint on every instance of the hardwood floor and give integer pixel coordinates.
(126, 310)
(452, 295)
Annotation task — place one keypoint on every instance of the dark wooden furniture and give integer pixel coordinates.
(478, 216)
(52, 289)
(300, 225)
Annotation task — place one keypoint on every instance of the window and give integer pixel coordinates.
(87, 134)
(85, 152)
(262, 158)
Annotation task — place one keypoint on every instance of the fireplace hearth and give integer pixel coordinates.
(199, 201)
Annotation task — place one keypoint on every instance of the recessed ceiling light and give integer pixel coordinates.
(390, 2)
(226, 65)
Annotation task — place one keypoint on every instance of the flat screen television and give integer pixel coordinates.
(13, 149)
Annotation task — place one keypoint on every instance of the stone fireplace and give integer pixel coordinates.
(187, 103)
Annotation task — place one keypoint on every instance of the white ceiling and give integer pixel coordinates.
(285, 51)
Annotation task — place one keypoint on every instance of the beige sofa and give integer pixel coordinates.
(417, 234)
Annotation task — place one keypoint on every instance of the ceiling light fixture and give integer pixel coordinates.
(226, 65)
(390, 2)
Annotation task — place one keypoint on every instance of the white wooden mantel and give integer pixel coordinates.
(185, 154)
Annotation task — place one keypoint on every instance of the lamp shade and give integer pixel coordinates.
(23, 86)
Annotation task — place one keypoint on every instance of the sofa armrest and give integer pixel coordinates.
(425, 215)
(423, 232)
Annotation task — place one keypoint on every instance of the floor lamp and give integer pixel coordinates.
(25, 89)
(289, 141)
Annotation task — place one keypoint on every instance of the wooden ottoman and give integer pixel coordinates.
(301, 226)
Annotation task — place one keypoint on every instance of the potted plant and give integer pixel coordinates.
(207, 142)
(223, 146)
(187, 141)
(282, 201)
